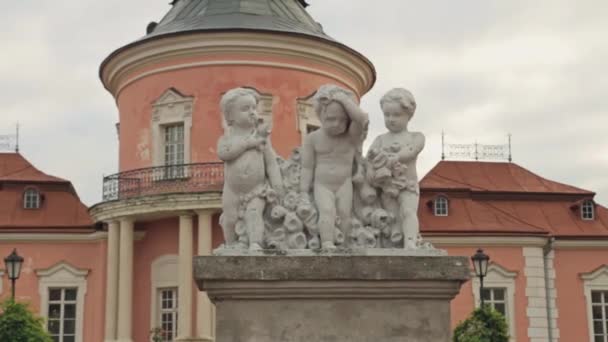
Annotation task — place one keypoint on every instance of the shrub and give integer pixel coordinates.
(484, 325)
(18, 324)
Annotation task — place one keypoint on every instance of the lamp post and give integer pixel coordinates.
(480, 263)
(13, 264)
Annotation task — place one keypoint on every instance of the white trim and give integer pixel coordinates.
(444, 201)
(499, 277)
(63, 275)
(163, 274)
(580, 244)
(536, 293)
(117, 72)
(59, 237)
(591, 206)
(594, 280)
(476, 241)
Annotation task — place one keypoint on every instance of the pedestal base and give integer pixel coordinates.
(331, 298)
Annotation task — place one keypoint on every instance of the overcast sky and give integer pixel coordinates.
(479, 70)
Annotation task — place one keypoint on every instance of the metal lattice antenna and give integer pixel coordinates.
(17, 139)
(510, 155)
(442, 145)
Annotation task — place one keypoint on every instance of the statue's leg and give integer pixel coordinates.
(230, 205)
(393, 237)
(344, 204)
(255, 222)
(408, 205)
(326, 204)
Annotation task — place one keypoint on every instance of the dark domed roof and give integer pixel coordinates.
(213, 15)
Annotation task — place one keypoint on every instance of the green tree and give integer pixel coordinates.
(18, 324)
(484, 325)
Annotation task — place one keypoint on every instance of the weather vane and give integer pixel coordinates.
(10, 142)
(476, 151)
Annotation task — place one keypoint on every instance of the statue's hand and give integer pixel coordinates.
(255, 141)
(341, 97)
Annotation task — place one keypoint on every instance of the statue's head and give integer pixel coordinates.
(239, 107)
(398, 106)
(331, 113)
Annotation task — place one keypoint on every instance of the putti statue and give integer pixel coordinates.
(392, 159)
(252, 177)
(326, 195)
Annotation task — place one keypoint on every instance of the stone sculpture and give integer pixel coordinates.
(326, 194)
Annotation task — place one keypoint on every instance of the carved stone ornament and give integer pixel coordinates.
(326, 196)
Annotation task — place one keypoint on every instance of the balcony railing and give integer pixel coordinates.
(165, 179)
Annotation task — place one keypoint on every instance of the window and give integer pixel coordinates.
(495, 297)
(588, 210)
(311, 128)
(31, 199)
(307, 120)
(596, 294)
(62, 314)
(441, 206)
(62, 289)
(499, 292)
(599, 314)
(173, 144)
(171, 128)
(167, 320)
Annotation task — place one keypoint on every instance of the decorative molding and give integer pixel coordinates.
(128, 65)
(596, 280)
(536, 293)
(60, 237)
(476, 241)
(551, 296)
(170, 108)
(499, 277)
(64, 275)
(306, 115)
(156, 206)
(163, 274)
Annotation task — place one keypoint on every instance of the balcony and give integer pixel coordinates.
(167, 179)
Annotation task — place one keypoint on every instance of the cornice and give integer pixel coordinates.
(477, 241)
(580, 244)
(59, 238)
(254, 48)
(146, 207)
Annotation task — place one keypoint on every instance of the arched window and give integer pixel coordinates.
(440, 207)
(31, 199)
(588, 210)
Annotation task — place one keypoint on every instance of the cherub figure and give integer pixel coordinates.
(395, 154)
(328, 156)
(250, 167)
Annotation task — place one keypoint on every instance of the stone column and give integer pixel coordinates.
(125, 282)
(112, 280)
(205, 327)
(185, 285)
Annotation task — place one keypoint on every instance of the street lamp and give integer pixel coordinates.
(13, 264)
(480, 263)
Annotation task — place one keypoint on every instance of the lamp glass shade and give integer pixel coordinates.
(480, 263)
(13, 264)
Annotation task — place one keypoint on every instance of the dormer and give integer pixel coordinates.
(585, 208)
(32, 199)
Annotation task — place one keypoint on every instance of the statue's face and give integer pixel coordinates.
(334, 120)
(244, 112)
(396, 117)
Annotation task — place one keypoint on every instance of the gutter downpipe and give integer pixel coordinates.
(548, 248)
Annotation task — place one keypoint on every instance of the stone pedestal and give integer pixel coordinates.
(331, 297)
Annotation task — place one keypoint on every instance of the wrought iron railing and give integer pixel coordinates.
(163, 180)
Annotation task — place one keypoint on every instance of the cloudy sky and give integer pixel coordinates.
(479, 70)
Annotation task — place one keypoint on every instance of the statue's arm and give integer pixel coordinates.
(359, 118)
(230, 148)
(405, 155)
(308, 164)
(273, 172)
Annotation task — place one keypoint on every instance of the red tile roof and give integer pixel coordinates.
(60, 206)
(505, 199)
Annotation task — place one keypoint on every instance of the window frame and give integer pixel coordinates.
(306, 115)
(596, 280)
(499, 277)
(163, 275)
(588, 207)
(171, 108)
(62, 303)
(436, 207)
(64, 275)
(27, 196)
(174, 311)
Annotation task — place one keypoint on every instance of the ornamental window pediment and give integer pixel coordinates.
(171, 128)
(307, 119)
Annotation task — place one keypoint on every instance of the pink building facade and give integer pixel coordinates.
(124, 268)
